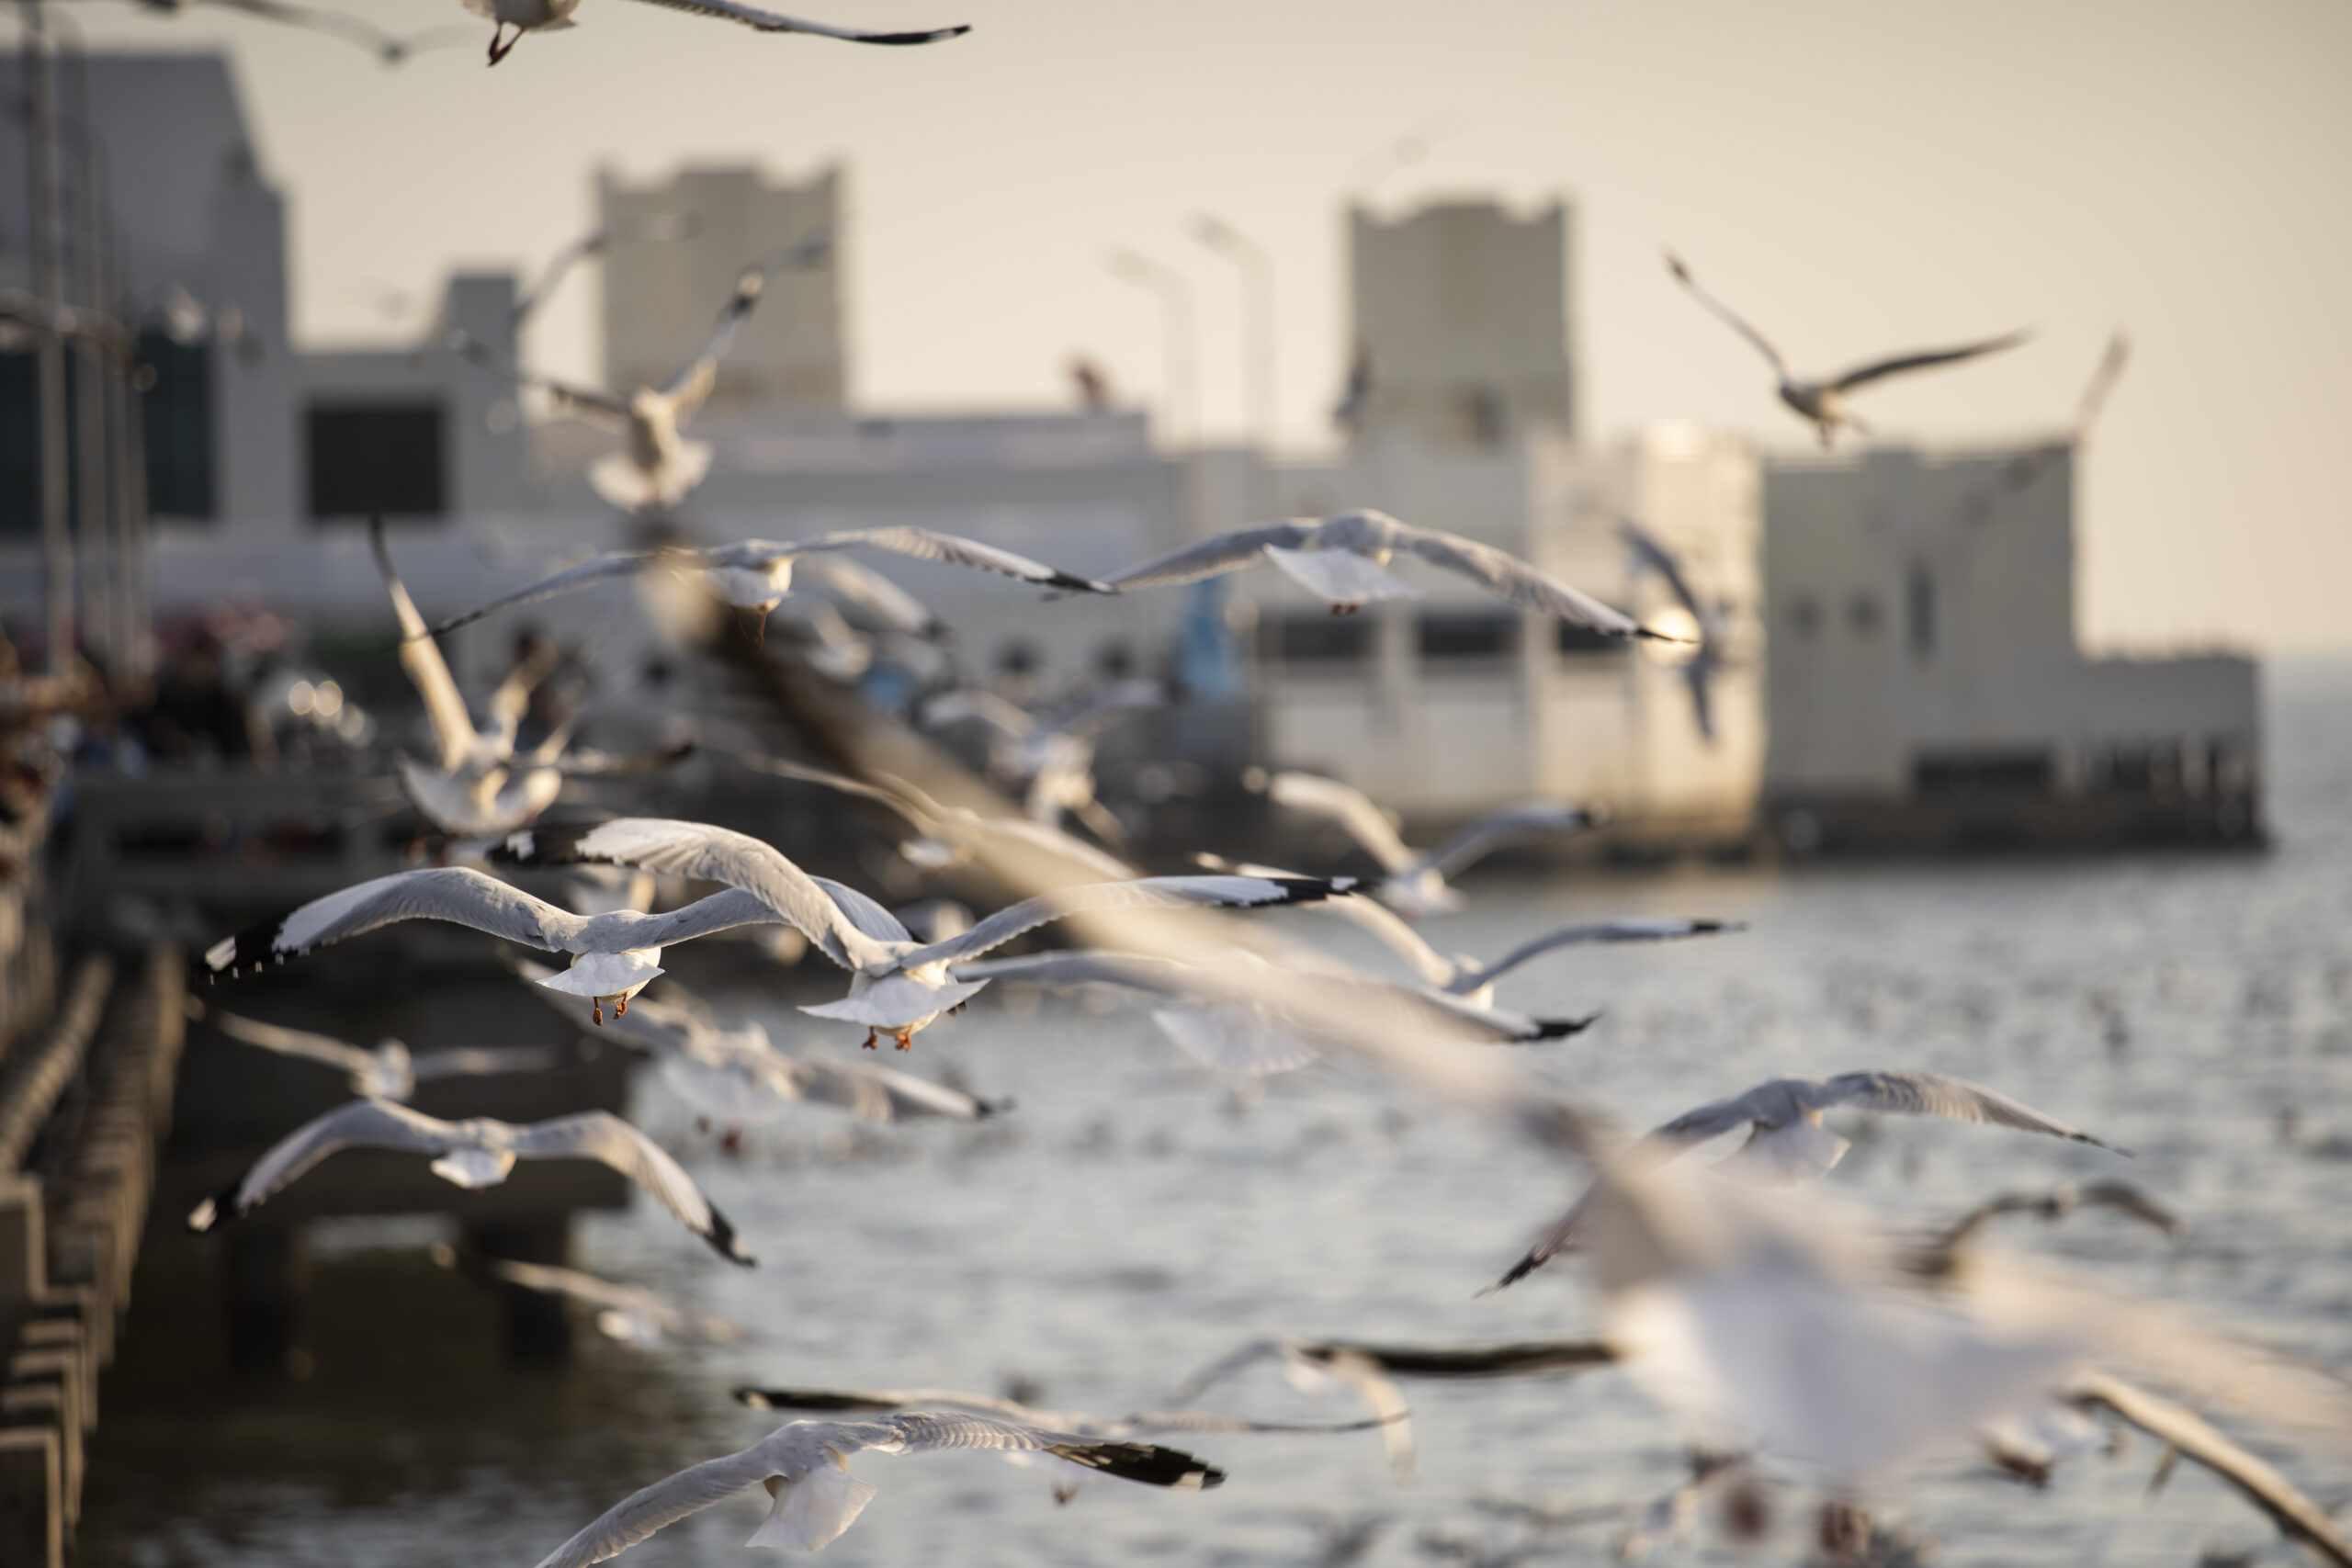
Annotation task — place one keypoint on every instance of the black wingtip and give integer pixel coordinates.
(216, 1210)
(722, 1236)
(1146, 1463)
(252, 946)
(1514, 1274)
(931, 34)
(808, 1399)
(1559, 1028)
(1070, 584)
(540, 846)
(983, 1109)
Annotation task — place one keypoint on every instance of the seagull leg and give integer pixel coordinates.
(754, 622)
(497, 50)
(595, 1009)
(869, 1039)
(620, 1007)
(731, 1141)
(906, 1037)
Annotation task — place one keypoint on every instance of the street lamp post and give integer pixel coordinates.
(49, 285)
(1175, 296)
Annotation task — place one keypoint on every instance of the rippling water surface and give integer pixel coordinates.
(1127, 1224)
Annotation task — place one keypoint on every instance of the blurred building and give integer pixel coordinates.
(1926, 688)
(676, 247)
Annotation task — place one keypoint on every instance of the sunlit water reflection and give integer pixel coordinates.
(1125, 1226)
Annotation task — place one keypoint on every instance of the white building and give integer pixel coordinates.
(1926, 688)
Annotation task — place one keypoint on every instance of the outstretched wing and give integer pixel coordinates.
(1490, 833)
(613, 563)
(339, 1055)
(1586, 936)
(644, 1511)
(687, 388)
(453, 727)
(1514, 582)
(581, 399)
(930, 1432)
(1726, 315)
(878, 1094)
(862, 588)
(362, 1123)
(602, 1136)
(1144, 893)
(1226, 552)
(1348, 807)
(457, 894)
(1863, 375)
(1918, 1093)
(951, 549)
(776, 22)
(1653, 556)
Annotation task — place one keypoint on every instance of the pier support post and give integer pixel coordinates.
(264, 1275)
(32, 1497)
(535, 1328)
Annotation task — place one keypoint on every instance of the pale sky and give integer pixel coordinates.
(1857, 179)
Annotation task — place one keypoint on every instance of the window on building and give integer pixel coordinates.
(1919, 597)
(1805, 614)
(2019, 770)
(1469, 637)
(372, 457)
(19, 444)
(1861, 614)
(176, 426)
(1316, 639)
(1571, 638)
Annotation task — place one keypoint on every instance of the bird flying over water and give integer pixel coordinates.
(553, 15)
(388, 1071)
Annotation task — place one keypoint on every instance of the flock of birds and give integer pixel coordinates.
(1785, 1333)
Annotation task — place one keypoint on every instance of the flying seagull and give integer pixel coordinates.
(1413, 882)
(1051, 756)
(615, 955)
(653, 228)
(1788, 1145)
(1651, 553)
(552, 16)
(480, 784)
(896, 983)
(805, 1467)
(390, 1071)
(629, 1313)
(1824, 401)
(473, 1154)
(1344, 558)
(754, 575)
(736, 1075)
(2058, 1203)
(390, 49)
(1068, 1476)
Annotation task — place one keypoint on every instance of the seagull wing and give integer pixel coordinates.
(952, 549)
(1524, 1360)
(885, 1399)
(1144, 893)
(604, 1137)
(1401, 939)
(594, 242)
(974, 707)
(1918, 1093)
(359, 1124)
(861, 587)
(1108, 703)
(690, 1490)
(1726, 315)
(614, 563)
(1582, 936)
(2187, 1432)
(457, 894)
(479, 1061)
(877, 1094)
(1348, 807)
(1514, 582)
(1652, 555)
(453, 727)
(1225, 552)
(930, 1432)
(686, 389)
(337, 1054)
(711, 854)
(602, 406)
(864, 912)
(2102, 383)
(661, 1028)
(776, 22)
(1492, 832)
(1863, 375)
(621, 930)
(842, 784)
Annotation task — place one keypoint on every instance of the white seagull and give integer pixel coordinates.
(896, 983)
(738, 1076)
(552, 16)
(1414, 882)
(390, 1071)
(1824, 401)
(1067, 1476)
(1788, 1145)
(1051, 756)
(754, 576)
(480, 785)
(805, 1467)
(1344, 558)
(630, 1313)
(615, 955)
(473, 1154)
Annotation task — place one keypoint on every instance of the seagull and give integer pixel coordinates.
(653, 228)
(949, 836)
(1824, 403)
(387, 1072)
(390, 49)
(629, 1313)
(1051, 756)
(754, 575)
(805, 1467)
(896, 983)
(738, 1076)
(2020, 472)
(1468, 977)
(1786, 1144)
(2059, 1202)
(1369, 1372)
(615, 955)
(1413, 883)
(1650, 554)
(1344, 558)
(473, 1154)
(1068, 1476)
(552, 16)
(480, 785)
